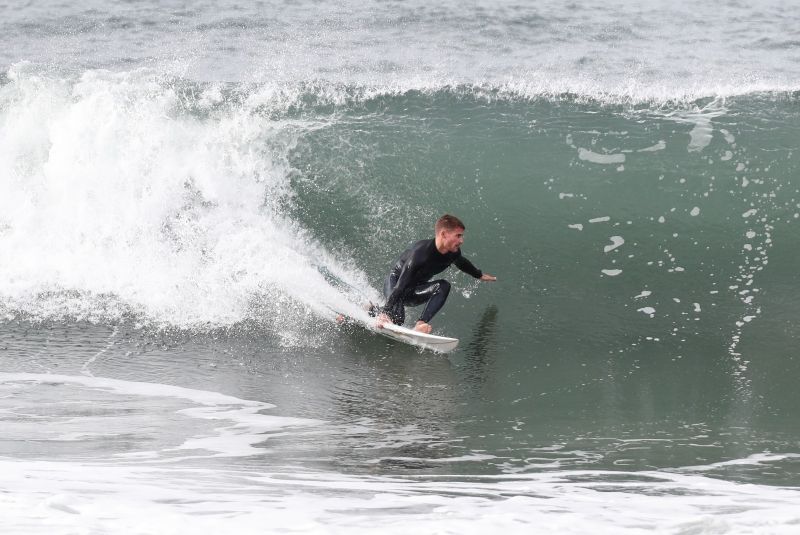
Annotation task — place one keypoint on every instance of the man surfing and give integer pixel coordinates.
(409, 284)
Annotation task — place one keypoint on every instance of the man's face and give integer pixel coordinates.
(452, 239)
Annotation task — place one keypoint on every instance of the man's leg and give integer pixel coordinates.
(434, 293)
(398, 312)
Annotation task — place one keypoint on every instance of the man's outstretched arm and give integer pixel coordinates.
(469, 268)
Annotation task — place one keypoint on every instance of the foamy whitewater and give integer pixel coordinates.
(189, 195)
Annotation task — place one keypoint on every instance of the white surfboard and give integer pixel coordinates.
(441, 344)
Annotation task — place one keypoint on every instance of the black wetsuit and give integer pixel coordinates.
(409, 284)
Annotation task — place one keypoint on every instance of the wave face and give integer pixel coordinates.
(207, 204)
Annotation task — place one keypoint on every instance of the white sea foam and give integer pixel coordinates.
(730, 138)
(247, 423)
(616, 241)
(53, 497)
(661, 145)
(611, 272)
(750, 213)
(605, 159)
(701, 134)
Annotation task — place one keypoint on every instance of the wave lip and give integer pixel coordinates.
(532, 87)
(269, 92)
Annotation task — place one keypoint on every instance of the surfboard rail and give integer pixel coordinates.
(433, 342)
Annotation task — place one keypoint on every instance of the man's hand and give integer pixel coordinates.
(382, 320)
(488, 278)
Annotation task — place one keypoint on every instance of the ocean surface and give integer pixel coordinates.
(190, 192)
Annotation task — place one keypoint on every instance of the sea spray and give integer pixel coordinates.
(113, 191)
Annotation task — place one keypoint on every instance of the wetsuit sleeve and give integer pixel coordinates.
(466, 266)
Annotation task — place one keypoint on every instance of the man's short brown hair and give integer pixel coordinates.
(449, 222)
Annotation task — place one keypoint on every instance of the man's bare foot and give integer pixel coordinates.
(423, 327)
(340, 318)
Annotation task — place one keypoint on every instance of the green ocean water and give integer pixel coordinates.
(189, 195)
(643, 315)
(696, 329)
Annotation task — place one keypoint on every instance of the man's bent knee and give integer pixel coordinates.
(444, 287)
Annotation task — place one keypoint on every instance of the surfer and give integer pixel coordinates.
(409, 284)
